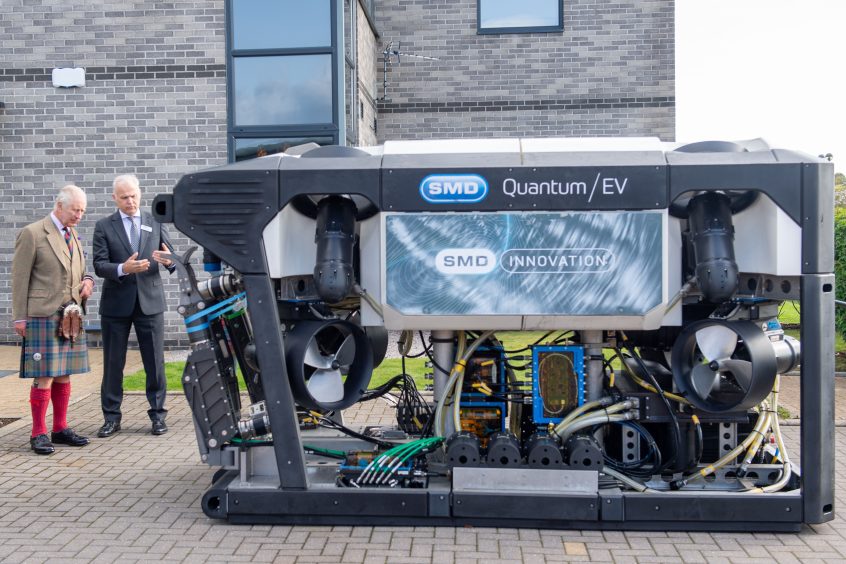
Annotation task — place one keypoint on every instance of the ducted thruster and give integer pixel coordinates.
(329, 363)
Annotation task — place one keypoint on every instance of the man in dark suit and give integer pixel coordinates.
(129, 246)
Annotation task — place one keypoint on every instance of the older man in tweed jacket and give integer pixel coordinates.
(48, 272)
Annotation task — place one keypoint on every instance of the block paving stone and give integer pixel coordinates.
(136, 498)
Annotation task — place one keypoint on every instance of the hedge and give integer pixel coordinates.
(840, 268)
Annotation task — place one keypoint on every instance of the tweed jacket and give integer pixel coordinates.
(44, 272)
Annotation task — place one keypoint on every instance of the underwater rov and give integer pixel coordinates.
(652, 275)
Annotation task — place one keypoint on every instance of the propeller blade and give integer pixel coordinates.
(716, 341)
(740, 369)
(326, 385)
(703, 380)
(314, 358)
(346, 352)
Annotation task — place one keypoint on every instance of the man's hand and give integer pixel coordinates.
(133, 266)
(163, 257)
(87, 289)
(20, 328)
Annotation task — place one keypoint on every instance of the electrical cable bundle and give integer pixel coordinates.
(384, 467)
(414, 413)
(665, 397)
(324, 421)
(583, 417)
(767, 420)
(327, 452)
(452, 392)
(638, 468)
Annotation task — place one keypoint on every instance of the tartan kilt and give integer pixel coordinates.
(45, 355)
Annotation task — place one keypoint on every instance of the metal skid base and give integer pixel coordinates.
(241, 496)
(227, 499)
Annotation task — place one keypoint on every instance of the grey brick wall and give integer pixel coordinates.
(610, 72)
(154, 104)
(155, 99)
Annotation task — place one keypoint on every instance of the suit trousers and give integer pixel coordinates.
(149, 329)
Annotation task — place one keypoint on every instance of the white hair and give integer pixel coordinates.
(68, 194)
(129, 179)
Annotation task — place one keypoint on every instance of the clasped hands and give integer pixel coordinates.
(134, 265)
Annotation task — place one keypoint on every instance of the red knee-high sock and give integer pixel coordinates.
(39, 400)
(60, 395)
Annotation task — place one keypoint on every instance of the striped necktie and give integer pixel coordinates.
(68, 240)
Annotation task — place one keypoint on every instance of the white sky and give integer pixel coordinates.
(774, 69)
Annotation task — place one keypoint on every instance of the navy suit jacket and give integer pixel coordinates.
(112, 248)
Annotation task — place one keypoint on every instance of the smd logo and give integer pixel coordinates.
(453, 188)
(465, 261)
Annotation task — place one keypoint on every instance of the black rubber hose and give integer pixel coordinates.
(712, 233)
(335, 237)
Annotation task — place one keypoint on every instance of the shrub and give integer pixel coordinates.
(840, 268)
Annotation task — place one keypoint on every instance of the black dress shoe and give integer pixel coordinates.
(159, 428)
(41, 444)
(108, 429)
(68, 437)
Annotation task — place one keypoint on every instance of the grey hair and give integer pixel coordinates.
(68, 194)
(128, 179)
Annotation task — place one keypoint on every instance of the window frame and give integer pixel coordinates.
(351, 114)
(506, 30)
(233, 139)
(331, 129)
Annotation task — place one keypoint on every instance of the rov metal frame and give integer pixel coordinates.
(227, 209)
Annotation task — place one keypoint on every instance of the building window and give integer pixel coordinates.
(523, 16)
(287, 90)
(281, 24)
(283, 78)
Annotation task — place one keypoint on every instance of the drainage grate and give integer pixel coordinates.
(7, 372)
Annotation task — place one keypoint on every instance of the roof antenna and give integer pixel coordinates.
(389, 52)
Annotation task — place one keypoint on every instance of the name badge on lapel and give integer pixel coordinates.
(146, 228)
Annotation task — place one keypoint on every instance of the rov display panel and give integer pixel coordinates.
(569, 263)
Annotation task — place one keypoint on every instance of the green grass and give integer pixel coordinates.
(389, 368)
(512, 340)
(789, 313)
(136, 382)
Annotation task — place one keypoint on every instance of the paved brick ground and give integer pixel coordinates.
(14, 391)
(135, 498)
